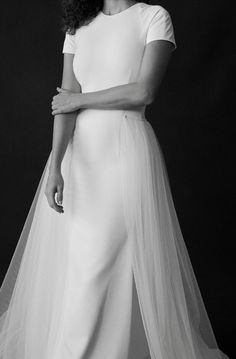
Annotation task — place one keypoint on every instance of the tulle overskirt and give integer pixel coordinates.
(174, 316)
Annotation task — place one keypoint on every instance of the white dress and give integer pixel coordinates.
(110, 278)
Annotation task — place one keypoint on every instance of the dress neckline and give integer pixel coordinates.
(119, 13)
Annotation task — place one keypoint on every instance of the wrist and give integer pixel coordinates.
(78, 101)
(54, 168)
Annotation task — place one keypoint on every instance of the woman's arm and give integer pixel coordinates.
(62, 131)
(155, 60)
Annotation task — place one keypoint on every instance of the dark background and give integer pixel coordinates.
(191, 117)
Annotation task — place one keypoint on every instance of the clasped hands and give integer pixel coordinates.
(65, 101)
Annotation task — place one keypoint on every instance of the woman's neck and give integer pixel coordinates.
(111, 7)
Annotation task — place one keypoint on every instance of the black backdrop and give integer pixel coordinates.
(191, 117)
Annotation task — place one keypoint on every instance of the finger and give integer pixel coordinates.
(57, 112)
(52, 203)
(55, 100)
(59, 195)
(59, 89)
(55, 103)
(56, 207)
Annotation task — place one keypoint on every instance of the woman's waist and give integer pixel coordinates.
(98, 132)
(100, 128)
(111, 114)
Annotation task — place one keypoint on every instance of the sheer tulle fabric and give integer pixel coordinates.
(173, 313)
(31, 295)
(174, 316)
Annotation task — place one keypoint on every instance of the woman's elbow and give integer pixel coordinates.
(146, 96)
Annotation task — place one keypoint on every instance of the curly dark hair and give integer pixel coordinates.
(80, 12)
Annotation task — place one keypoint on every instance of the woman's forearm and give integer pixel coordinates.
(62, 131)
(123, 97)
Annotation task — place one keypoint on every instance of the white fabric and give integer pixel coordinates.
(110, 278)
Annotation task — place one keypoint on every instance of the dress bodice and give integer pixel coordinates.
(108, 51)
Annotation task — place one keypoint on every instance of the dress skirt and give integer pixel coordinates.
(110, 278)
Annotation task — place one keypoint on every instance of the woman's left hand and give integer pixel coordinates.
(65, 102)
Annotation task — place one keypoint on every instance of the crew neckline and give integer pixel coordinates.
(121, 12)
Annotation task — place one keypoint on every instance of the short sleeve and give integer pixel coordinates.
(161, 27)
(69, 45)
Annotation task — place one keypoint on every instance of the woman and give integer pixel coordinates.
(111, 277)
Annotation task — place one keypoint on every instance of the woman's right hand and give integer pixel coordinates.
(54, 188)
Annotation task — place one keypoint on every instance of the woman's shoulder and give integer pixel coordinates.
(154, 13)
(157, 22)
(148, 10)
